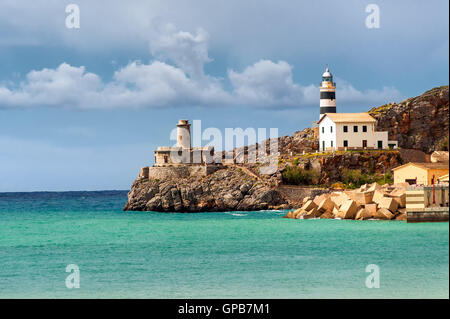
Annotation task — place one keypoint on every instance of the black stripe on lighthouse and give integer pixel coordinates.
(327, 109)
(327, 95)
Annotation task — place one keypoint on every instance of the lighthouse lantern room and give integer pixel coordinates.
(327, 93)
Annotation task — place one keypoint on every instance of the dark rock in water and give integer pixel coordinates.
(227, 189)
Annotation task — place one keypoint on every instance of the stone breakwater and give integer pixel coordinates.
(368, 202)
(195, 189)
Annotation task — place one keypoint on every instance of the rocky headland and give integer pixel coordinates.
(187, 189)
(420, 124)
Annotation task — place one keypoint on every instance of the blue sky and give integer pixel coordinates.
(83, 109)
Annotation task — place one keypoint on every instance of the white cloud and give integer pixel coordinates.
(266, 81)
(265, 84)
(65, 86)
(188, 51)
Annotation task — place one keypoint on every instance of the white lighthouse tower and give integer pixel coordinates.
(184, 134)
(327, 93)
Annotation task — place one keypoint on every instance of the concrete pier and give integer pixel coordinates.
(427, 204)
(431, 214)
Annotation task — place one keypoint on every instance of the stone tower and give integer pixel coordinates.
(327, 94)
(184, 134)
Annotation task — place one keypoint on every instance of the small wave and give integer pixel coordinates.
(236, 214)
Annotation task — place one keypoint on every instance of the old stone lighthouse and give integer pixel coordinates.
(183, 153)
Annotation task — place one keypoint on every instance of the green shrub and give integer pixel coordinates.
(354, 178)
(298, 176)
(386, 179)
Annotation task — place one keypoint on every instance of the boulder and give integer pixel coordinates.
(378, 195)
(297, 212)
(300, 214)
(388, 203)
(361, 198)
(371, 208)
(318, 199)
(335, 211)
(340, 199)
(401, 216)
(326, 205)
(327, 215)
(373, 187)
(383, 213)
(348, 209)
(313, 213)
(309, 205)
(289, 215)
(399, 194)
(363, 214)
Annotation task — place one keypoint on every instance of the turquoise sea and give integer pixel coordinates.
(208, 255)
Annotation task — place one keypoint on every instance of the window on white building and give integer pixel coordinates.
(364, 128)
(331, 129)
(355, 128)
(345, 128)
(323, 129)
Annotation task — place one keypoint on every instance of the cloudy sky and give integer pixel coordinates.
(84, 108)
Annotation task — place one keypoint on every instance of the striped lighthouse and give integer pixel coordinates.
(327, 93)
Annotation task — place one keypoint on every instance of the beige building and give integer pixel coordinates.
(340, 131)
(420, 173)
(183, 153)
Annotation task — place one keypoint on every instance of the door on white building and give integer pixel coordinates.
(380, 145)
(323, 146)
(364, 143)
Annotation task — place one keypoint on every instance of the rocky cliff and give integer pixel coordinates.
(369, 162)
(421, 122)
(227, 189)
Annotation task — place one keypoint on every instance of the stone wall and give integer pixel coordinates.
(174, 172)
(296, 194)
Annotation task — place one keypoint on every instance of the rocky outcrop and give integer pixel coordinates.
(368, 162)
(227, 189)
(301, 141)
(420, 122)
